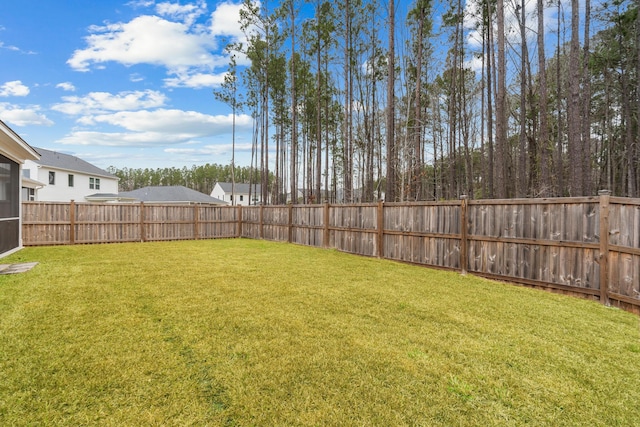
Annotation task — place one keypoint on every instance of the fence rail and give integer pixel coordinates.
(588, 246)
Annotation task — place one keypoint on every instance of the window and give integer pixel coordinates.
(28, 194)
(70, 180)
(52, 178)
(9, 190)
(241, 197)
(94, 183)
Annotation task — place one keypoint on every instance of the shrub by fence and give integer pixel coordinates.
(588, 246)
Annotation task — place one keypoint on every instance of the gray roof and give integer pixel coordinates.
(68, 162)
(172, 194)
(240, 188)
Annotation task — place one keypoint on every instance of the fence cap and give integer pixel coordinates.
(604, 193)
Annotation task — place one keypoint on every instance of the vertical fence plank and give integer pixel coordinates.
(261, 230)
(325, 229)
(196, 222)
(464, 252)
(239, 219)
(143, 236)
(72, 222)
(290, 223)
(380, 242)
(604, 245)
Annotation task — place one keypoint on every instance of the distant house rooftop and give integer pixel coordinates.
(68, 162)
(170, 194)
(240, 188)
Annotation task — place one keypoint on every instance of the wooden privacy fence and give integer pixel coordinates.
(588, 246)
(55, 223)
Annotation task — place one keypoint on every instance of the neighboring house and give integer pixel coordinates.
(169, 194)
(240, 196)
(58, 177)
(14, 151)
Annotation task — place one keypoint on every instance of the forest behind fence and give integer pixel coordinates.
(588, 246)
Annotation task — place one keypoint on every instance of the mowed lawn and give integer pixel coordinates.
(254, 333)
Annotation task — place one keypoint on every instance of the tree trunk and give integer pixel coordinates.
(573, 106)
(391, 148)
(586, 106)
(522, 139)
(544, 142)
(501, 108)
(490, 71)
(294, 110)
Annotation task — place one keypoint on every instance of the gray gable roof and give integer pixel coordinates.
(68, 162)
(240, 188)
(172, 194)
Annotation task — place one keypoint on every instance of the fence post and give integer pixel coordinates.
(239, 214)
(604, 196)
(143, 238)
(290, 223)
(325, 232)
(464, 250)
(380, 228)
(196, 225)
(72, 222)
(261, 232)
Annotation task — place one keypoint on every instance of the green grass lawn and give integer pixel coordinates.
(254, 333)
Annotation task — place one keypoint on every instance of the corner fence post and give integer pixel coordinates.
(464, 244)
(604, 196)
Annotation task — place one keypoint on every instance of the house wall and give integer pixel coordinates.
(218, 193)
(60, 191)
(242, 199)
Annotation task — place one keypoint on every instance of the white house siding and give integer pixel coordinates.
(241, 195)
(60, 191)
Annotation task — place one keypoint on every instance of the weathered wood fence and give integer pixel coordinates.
(588, 246)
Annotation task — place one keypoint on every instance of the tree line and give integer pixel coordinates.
(200, 178)
(357, 102)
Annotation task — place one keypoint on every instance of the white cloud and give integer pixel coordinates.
(145, 40)
(135, 4)
(225, 20)
(136, 77)
(187, 13)
(172, 38)
(198, 80)
(190, 124)
(100, 102)
(155, 128)
(14, 88)
(119, 139)
(23, 116)
(216, 150)
(66, 86)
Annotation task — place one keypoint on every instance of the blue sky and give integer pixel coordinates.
(117, 83)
